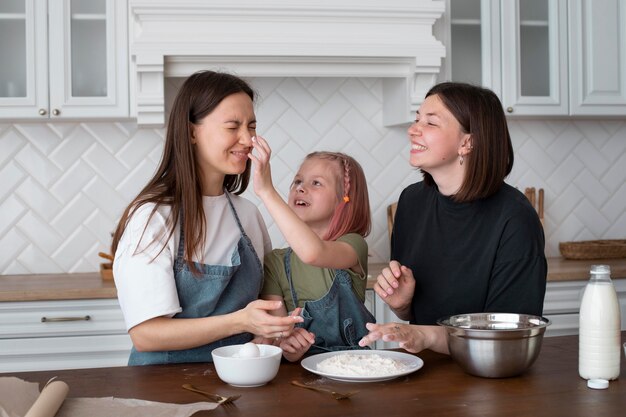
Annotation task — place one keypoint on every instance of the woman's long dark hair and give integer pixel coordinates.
(479, 112)
(176, 182)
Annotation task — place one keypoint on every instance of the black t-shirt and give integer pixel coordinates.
(482, 256)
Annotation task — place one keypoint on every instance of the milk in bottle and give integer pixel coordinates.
(599, 333)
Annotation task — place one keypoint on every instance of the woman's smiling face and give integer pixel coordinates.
(436, 137)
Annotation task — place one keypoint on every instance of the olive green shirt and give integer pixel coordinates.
(311, 282)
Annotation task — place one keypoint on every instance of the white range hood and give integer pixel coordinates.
(391, 39)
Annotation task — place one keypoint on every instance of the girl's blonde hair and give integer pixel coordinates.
(352, 214)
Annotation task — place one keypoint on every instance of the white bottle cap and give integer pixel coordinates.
(600, 269)
(598, 383)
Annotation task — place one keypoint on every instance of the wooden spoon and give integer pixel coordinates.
(336, 395)
(105, 256)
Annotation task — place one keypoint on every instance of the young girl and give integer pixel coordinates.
(325, 268)
(188, 248)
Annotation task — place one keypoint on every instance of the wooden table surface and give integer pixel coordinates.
(551, 388)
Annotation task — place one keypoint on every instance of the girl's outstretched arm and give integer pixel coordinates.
(309, 247)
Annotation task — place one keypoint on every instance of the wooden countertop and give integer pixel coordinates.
(551, 387)
(91, 285)
(559, 269)
(55, 287)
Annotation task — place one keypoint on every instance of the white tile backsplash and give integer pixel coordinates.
(12, 210)
(38, 166)
(63, 185)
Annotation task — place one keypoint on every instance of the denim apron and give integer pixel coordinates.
(337, 319)
(218, 290)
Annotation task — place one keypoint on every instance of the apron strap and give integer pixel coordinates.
(232, 208)
(287, 262)
(181, 241)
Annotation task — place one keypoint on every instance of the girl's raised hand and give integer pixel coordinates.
(262, 173)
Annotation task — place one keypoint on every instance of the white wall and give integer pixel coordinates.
(63, 185)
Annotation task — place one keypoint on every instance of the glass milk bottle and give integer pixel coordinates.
(599, 333)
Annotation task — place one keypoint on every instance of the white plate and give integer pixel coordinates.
(413, 363)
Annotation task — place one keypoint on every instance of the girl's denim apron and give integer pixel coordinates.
(338, 318)
(218, 290)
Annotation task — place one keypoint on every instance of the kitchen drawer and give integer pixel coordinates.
(563, 297)
(48, 335)
(40, 318)
(562, 324)
(51, 353)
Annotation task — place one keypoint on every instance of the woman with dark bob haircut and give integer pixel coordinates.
(188, 248)
(463, 240)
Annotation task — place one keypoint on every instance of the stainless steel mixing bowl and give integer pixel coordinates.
(494, 345)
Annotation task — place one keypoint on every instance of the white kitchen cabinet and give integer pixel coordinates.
(597, 51)
(67, 334)
(534, 57)
(542, 58)
(562, 305)
(63, 59)
(517, 48)
(383, 314)
(371, 303)
(471, 33)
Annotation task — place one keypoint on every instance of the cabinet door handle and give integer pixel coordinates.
(42, 112)
(56, 112)
(54, 319)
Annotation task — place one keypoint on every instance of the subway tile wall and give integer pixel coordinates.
(63, 185)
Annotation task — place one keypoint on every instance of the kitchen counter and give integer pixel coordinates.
(559, 269)
(551, 387)
(91, 285)
(55, 287)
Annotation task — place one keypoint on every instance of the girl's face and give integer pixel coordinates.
(436, 138)
(223, 140)
(314, 192)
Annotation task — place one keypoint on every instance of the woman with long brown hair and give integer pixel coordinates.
(189, 249)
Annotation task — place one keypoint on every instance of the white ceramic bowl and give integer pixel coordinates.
(247, 372)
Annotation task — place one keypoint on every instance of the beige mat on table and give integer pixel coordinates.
(19, 398)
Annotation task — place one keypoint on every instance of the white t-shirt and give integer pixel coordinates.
(145, 281)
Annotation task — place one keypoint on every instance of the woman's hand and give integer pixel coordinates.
(296, 344)
(410, 337)
(395, 286)
(259, 321)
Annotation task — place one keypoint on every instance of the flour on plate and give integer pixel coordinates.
(350, 364)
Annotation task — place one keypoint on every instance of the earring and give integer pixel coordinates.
(460, 159)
